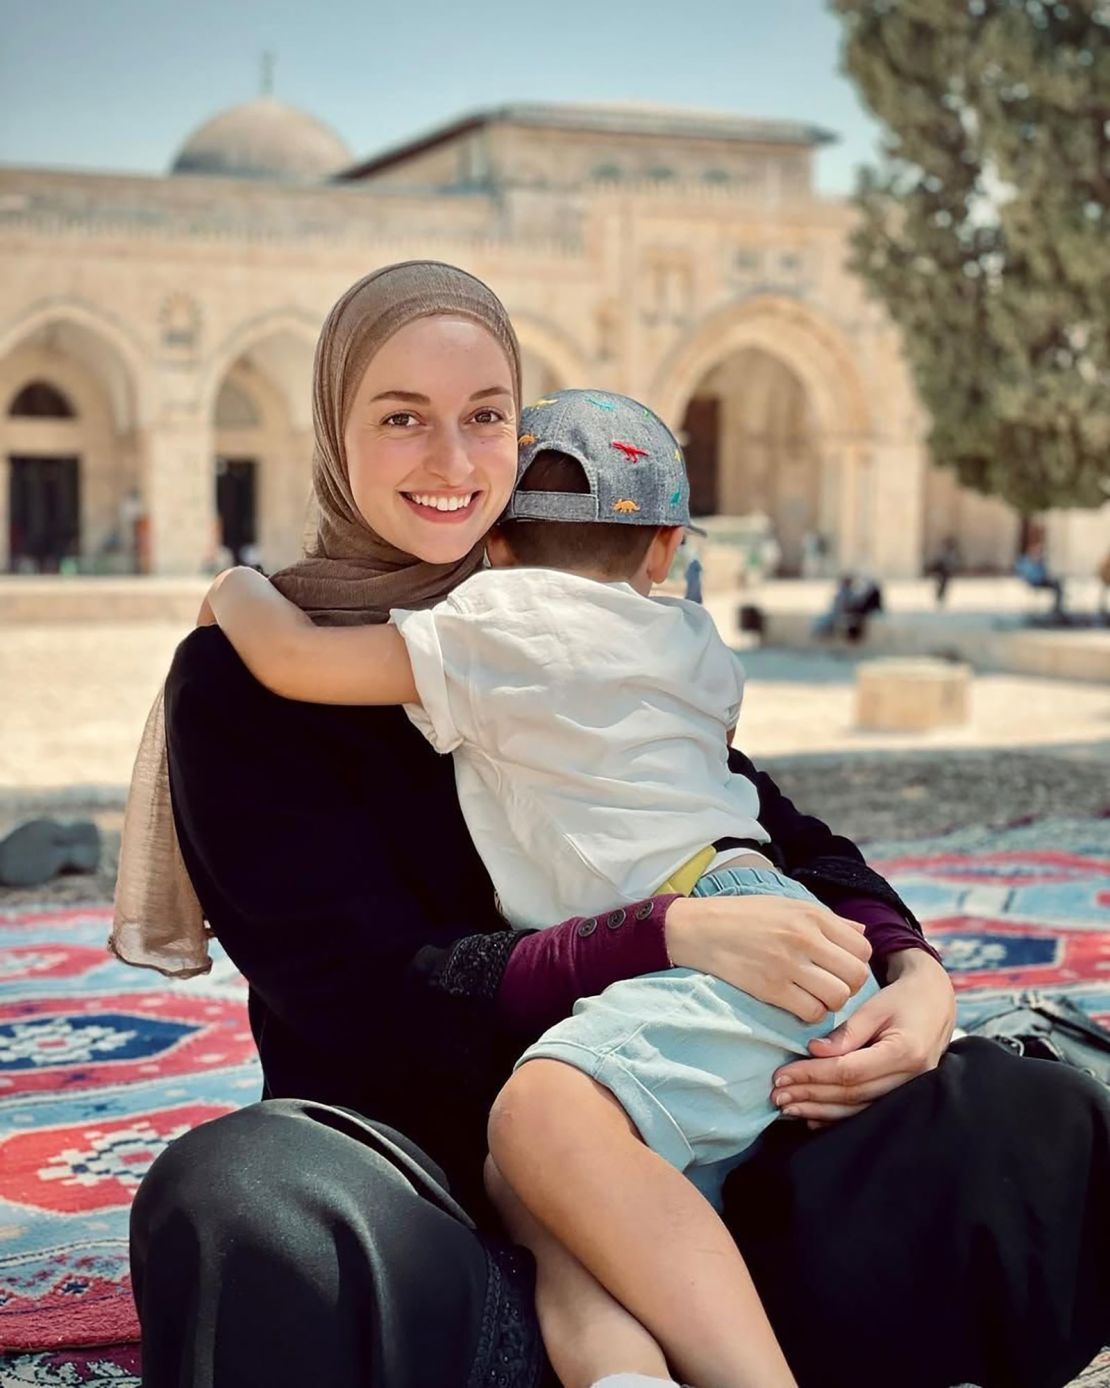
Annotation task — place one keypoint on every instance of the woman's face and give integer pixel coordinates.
(431, 438)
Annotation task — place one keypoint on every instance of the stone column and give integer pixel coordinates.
(847, 462)
(892, 511)
(179, 491)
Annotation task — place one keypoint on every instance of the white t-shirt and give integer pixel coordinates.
(588, 725)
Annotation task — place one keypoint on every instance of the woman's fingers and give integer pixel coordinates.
(888, 1056)
(793, 1099)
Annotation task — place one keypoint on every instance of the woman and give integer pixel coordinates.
(337, 1232)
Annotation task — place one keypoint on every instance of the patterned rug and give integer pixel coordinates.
(102, 1065)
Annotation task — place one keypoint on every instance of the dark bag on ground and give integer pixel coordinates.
(1049, 1028)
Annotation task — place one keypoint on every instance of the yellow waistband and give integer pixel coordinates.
(683, 879)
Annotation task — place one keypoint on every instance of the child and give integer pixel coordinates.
(590, 725)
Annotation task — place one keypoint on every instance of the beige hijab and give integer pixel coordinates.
(352, 576)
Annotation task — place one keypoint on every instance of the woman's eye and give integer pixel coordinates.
(488, 416)
(402, 419)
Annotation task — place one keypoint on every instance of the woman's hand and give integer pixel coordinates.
(900, 1032)
(797, 955)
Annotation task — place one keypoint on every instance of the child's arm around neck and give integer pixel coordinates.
(285, 651)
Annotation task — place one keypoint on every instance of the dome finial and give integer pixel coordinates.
(267, 66)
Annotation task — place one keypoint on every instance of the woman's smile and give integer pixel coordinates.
(444, 508)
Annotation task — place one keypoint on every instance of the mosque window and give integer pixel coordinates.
(607, 173)
(40, 400)
(715, 176)
(660, 173)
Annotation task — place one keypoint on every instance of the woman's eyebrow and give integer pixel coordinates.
(412, 397)
(409, 395)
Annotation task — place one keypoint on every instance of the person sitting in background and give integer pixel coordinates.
(1033, 570)
(855, 599)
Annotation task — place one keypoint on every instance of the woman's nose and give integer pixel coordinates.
(449, 459)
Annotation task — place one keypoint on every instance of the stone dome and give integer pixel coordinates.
(263, 138)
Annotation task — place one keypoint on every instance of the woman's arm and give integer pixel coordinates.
(285, 651)
(833, 868)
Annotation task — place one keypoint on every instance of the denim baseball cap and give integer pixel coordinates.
(632, 462)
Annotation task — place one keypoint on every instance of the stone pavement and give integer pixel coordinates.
(75, 697)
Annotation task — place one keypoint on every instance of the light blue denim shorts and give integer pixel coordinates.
(691, 1059)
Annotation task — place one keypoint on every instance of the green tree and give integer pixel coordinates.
(985, 230)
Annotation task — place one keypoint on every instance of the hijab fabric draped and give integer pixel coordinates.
(351, 576)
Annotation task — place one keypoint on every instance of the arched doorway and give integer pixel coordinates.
(771, 408)
(750, 442)
(70, 491)
(262, 436)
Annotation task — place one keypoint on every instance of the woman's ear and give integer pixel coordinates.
(663, 549)
(498, 553)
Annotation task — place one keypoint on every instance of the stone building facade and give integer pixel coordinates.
(156, 333)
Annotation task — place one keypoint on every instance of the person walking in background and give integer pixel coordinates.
(694, 572)
(944, 566)
(815, 550)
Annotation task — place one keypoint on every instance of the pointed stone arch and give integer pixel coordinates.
(70, 486)
(776, 419)
(804, 339)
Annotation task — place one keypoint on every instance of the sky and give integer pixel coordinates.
(119, 84)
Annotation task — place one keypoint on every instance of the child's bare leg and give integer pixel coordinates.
(587, 1333)
(572, 1156)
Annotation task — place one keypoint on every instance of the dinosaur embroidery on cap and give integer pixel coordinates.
(540, 404)
(676, 497)
(629, 449)
(526, 438)
(625, 506)
(601, 404)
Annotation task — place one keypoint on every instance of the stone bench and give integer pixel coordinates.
(911, 695)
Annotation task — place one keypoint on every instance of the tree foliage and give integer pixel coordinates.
(985, 230)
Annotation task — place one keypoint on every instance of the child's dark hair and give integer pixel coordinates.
(605, 547)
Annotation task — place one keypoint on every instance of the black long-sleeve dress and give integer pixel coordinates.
(336, 1233)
